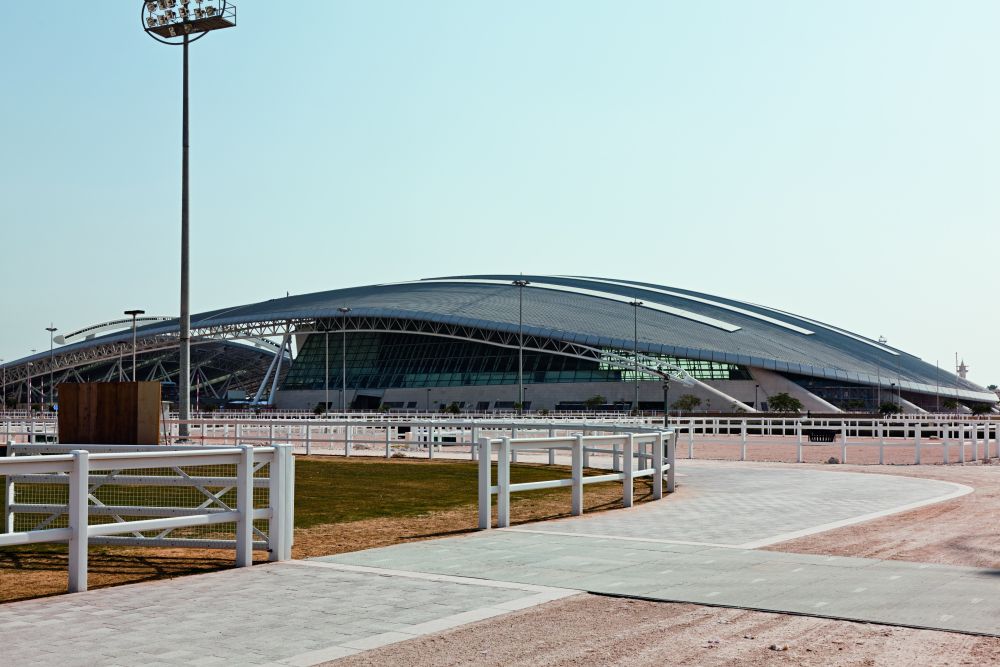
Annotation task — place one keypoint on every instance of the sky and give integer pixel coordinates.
(836, 159)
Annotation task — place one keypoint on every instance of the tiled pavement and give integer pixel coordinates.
(892, 592)
(741, 505)
(287, 614)
(305, 612)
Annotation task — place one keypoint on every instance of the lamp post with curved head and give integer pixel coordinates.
(343, 358)
(52, 387)
(520, 283)
(635, 348)
(134, 314)
(176, 23)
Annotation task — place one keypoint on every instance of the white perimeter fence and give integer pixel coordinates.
(237, 498)
(634, 455)
(906, 438)
(951, 438)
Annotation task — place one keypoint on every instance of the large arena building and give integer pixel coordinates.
(580, 341)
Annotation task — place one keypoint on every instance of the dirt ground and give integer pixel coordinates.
(932, 451)
(961, 531)
(594, 630)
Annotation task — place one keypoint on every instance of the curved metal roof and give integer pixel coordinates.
(597, 312)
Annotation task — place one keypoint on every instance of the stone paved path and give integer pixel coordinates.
(892, 592)
(288, 614)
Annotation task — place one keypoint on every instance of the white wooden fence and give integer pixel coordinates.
(154, 475)
(635, 455)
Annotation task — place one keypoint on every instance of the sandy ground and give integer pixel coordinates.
(961, 531)
(593, 630)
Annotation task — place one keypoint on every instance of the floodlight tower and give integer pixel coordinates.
(520, 284)
(176, 23)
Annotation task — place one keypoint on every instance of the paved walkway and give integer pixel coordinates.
(289, 614)
(693, 547)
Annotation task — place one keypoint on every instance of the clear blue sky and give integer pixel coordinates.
(836, 159)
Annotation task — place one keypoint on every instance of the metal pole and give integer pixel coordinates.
(326, 373)
(343, 358)
(184, 379)
(635, 348)
(133, 348)
(520, 349)
(52, 386)
(756, 405)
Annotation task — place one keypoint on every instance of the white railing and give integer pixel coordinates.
(646, 449)
(954, 439)
(78, 469)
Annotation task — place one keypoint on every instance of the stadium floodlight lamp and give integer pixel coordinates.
(168, 21)
(168, 27)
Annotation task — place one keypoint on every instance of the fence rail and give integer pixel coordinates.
(79, 487)
(654, 453)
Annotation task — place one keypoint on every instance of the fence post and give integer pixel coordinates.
(798, 439)
(239, 432)
(484, 484)
(79, 481)
(503, 483)
(627, 469)
(473, 438)
(960, 431)
(308, 440)
(244, 505)
(690, 440)
(577, 467)
(743, 440)
(658, 444)
(671, 460)
(917, 428)
(347, 439)
(388, 441)
(8, 493)
(616, 458)
(277, 497)
(552, 451)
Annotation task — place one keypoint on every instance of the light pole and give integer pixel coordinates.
(635, 348)
(134, 314)
(520, 283)
(179, 28)
(756, 405)
(427, 403)
(52, 387)
(326, 371)
(343, 357)
(666, 402)
(3, 405)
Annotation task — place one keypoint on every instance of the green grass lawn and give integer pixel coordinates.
(339, 490)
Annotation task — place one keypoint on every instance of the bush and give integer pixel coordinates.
(686, 403)
(784, 403)
(889, 408)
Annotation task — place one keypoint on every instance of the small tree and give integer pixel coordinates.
(889, 408)
(318, 410)
(453, 408)
(991, 387)
(686, 403)
(949, 404)
(980, 408)
(595, 402)
(784, 403)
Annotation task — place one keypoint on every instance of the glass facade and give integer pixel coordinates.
(403, 360)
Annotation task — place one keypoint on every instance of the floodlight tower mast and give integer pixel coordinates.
(174, 22)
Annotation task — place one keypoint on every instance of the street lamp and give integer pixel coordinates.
(756, 405)
(520, 283)
(52, 387)
(635, 348)
(343, 358)
(134, 314)
(666, 400)
(427, 403)
(179, 28)
(326, 366)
